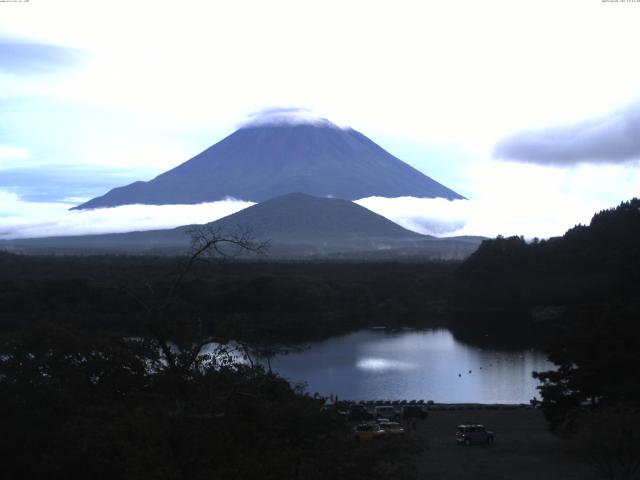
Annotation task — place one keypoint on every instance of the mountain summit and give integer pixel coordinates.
(278, 154)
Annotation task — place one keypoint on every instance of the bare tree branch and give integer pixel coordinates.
(206, 241)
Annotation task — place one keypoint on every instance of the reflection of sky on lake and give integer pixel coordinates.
(380, 364)
(413, 365)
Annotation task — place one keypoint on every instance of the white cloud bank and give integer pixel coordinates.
(446, 218)
(439, 217)
(20, 219)
(516, 199)
(505, 199)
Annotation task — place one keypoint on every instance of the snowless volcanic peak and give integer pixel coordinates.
(280, 151)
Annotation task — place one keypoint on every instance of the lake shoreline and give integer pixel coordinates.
(440, 406)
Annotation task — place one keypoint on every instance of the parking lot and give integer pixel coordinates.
(523, 447)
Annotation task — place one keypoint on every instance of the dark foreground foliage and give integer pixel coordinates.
(78, 405)
(597, 357)
(608, 439)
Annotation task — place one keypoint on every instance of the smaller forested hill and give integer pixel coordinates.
(301, 217)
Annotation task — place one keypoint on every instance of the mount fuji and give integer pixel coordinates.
(279, 153)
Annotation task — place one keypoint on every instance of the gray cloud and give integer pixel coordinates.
(55, 183)
(614, 138)
(22, 57)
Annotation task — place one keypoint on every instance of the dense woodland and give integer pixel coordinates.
(291, 302)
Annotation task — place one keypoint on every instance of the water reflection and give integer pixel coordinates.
(383, 364)
(413, 365)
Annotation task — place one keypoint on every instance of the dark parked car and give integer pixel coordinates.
(359, 413)
(470, 434)
(368, 431)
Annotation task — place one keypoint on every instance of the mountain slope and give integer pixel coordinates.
(300, 217)
(263, 161)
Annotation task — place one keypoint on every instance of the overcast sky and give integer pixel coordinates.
(531, 109)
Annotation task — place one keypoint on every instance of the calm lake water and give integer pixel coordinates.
(429, 365)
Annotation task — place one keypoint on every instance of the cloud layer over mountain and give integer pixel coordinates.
(285, 116)
(20, 219)
(439, 217)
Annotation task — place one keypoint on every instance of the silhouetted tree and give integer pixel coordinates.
(597, 361)
(181, 342)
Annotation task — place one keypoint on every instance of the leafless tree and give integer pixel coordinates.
(207, 242)
(180, 352)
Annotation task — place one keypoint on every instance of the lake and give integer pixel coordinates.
(410, 364)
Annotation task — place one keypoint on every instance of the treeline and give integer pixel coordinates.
(285, 301)
(594, 261)
(528, 287)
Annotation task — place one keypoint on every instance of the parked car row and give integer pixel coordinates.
(471, 434)
(395, 402)
(381, 420)
(359, 412)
